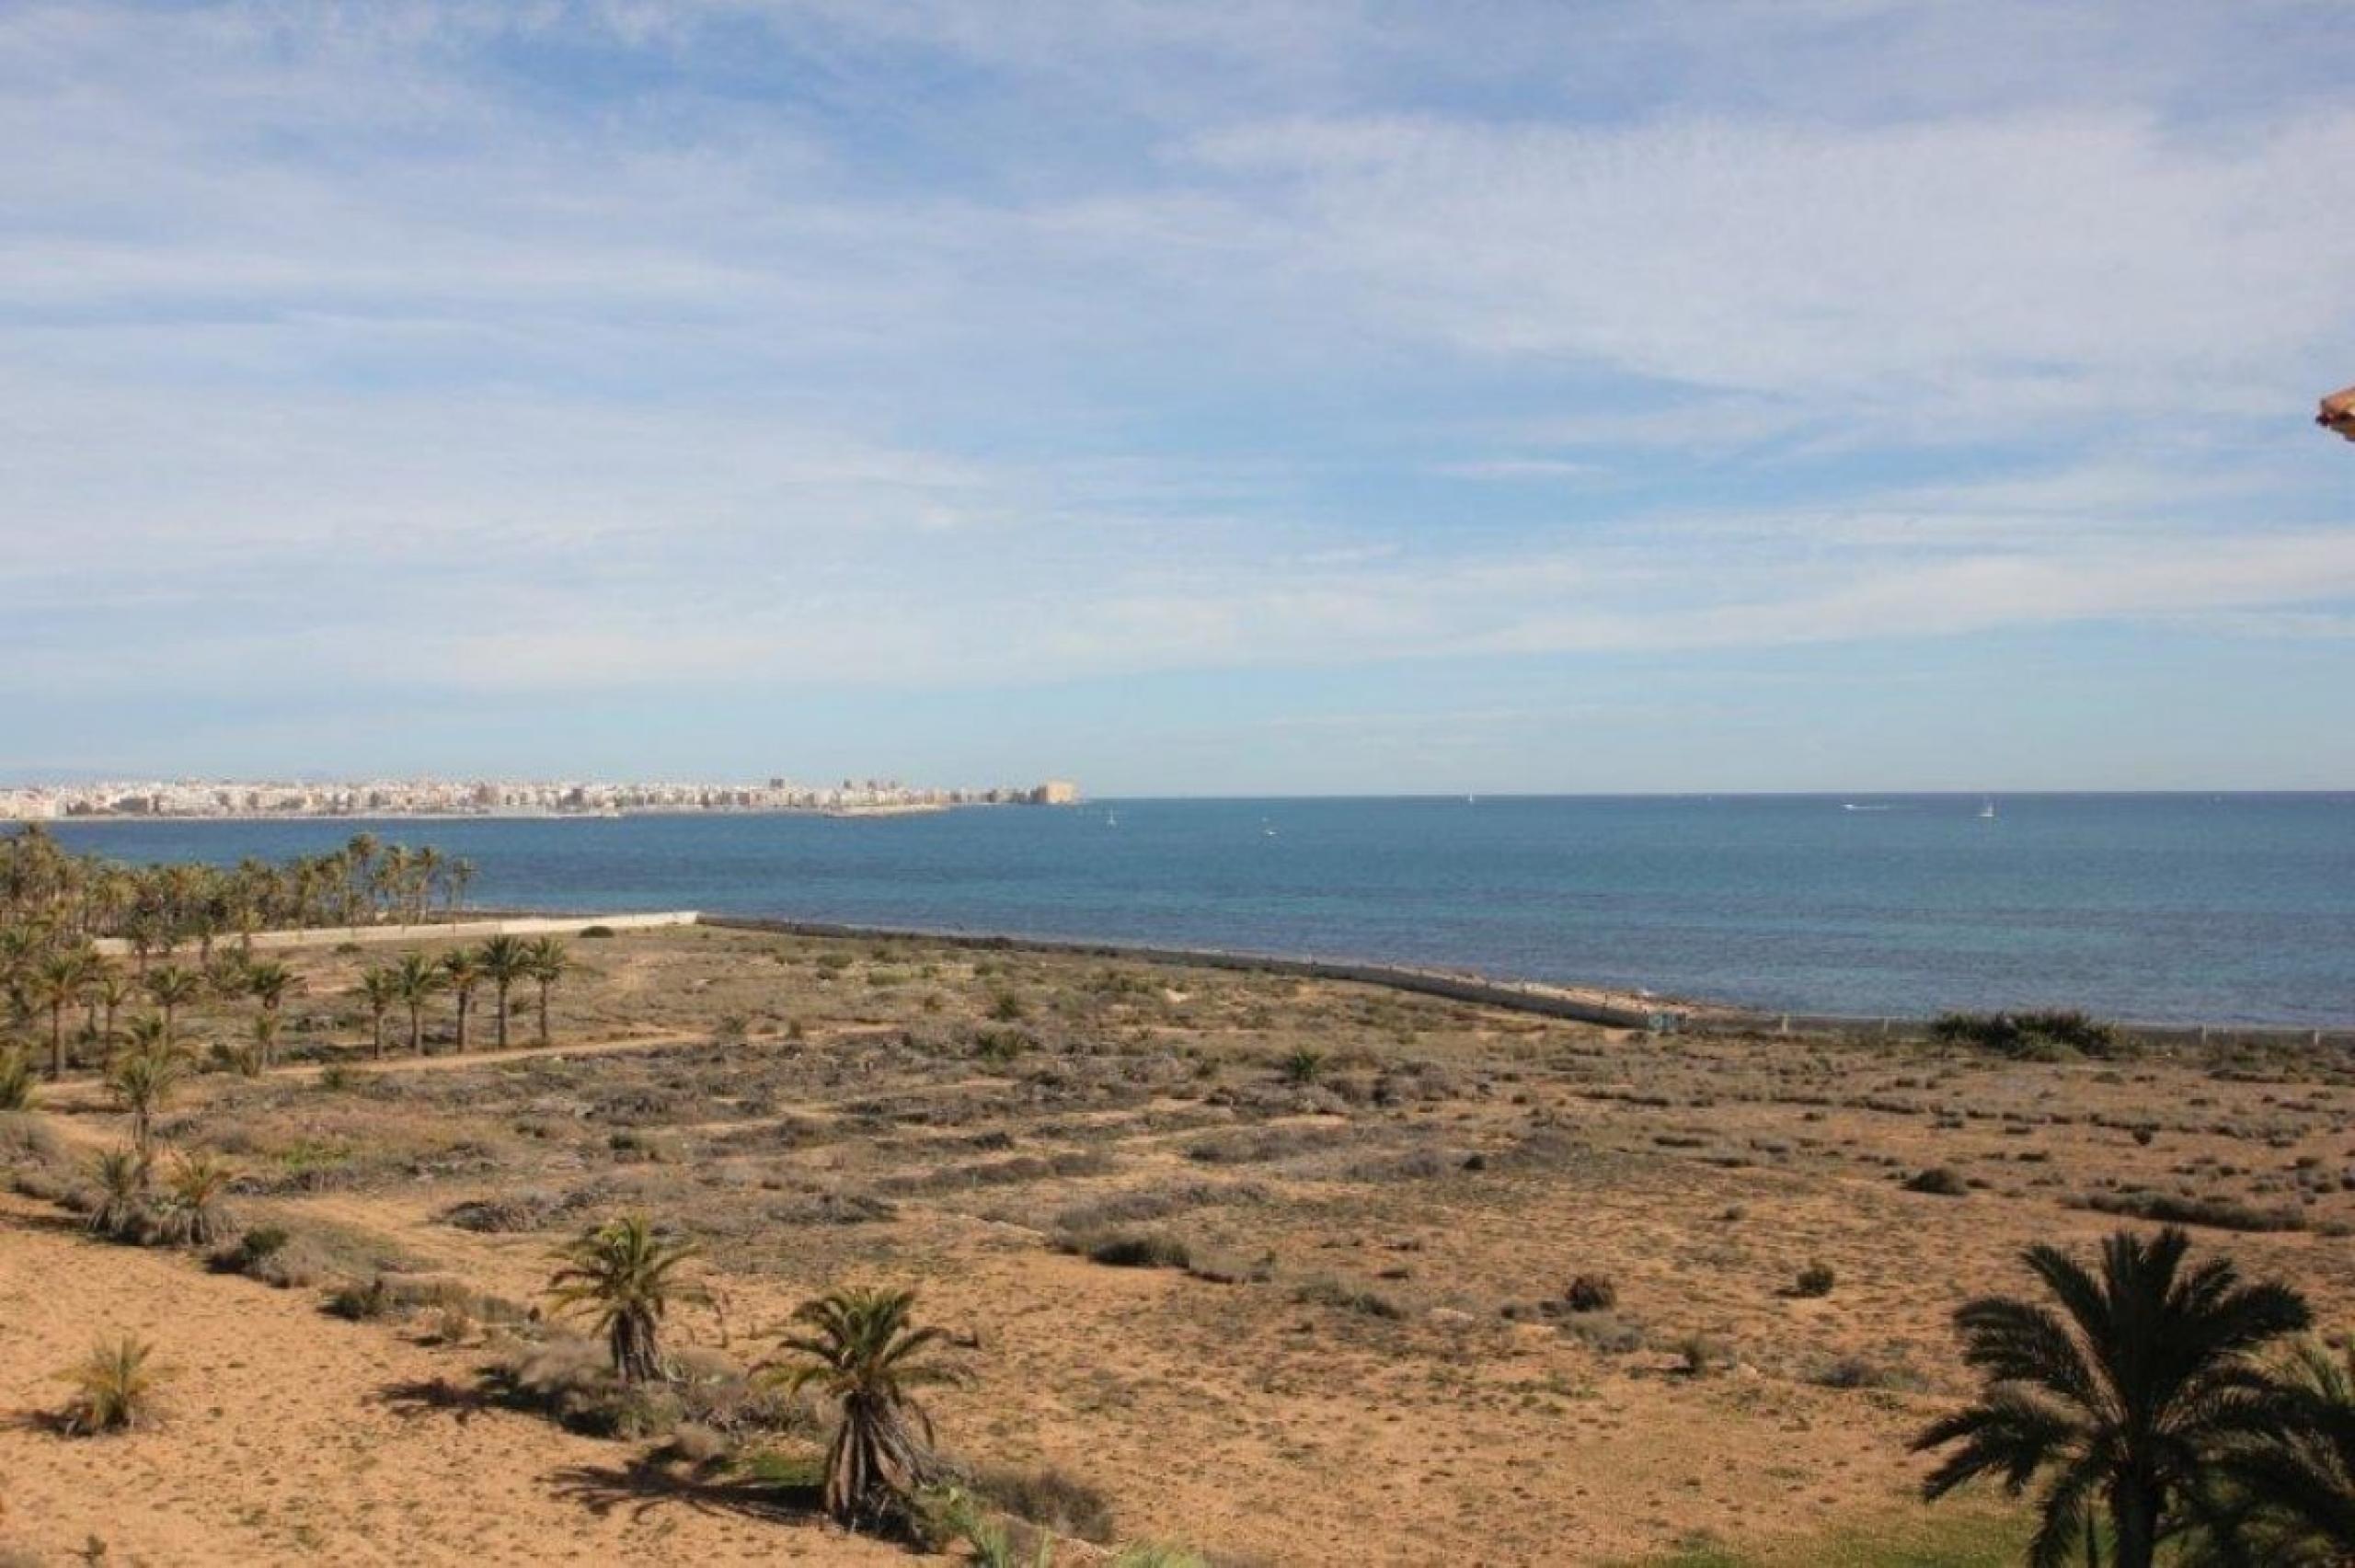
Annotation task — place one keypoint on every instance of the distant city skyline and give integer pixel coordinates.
(424, 796)
(1258, 396)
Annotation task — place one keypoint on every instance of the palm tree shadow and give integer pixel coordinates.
(643, 1485)
(60, 1224)
(432, 1396)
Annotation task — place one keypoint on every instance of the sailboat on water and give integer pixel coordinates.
(1987, 810)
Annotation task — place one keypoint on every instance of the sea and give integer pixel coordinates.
(2234, 907)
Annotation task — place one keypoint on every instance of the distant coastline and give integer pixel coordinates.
(435, 799)
(95, 818)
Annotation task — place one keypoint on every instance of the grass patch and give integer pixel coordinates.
(1958, 1539)
(2219, 1213)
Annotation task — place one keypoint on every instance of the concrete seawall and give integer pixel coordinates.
(1545, 1000)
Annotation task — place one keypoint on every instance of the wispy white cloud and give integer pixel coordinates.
(592, 345)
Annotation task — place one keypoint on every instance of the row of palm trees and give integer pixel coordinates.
(502, 962)
(81, 980)
(50, 898)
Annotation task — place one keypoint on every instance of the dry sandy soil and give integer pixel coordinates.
(1370, 1360)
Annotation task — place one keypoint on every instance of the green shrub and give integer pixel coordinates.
(2035, 1036)
(1858, 1372)
(572, 1381)
(1326, 1291)
(361, 1303)
(1303, 1066)
(1815, 1279)
(1702, 1353)
(1050, 1498)
(597, 933)
(999, 1047)
(2221, 1213)
(1135, 1249)
(1606, 1334)
(18, 1079)
(1591, 1293)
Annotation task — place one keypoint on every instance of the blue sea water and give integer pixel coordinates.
(2235, 908)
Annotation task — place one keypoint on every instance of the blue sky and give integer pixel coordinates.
(1301, 395)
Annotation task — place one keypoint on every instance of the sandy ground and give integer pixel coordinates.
(287, 1436)
(1368, 1364)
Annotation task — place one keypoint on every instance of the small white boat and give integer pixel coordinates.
(1987, 812)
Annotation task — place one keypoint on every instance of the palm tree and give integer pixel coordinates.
(622, 1271)
(57, 984)
(113, 1386)
(269, 984)
(463, 970)
(505, 960)
(461, 873)
(425, 872)
(391, 881)
(2289, 1484)
(121, 1213)
(173, 988)
(113, 992)
(380, 988)
(144, 1075)
(864, 1352)
(95, 970)
(358, 855)
(417, 980)
(2129, 1395)
(546, 963)
(17, 1077)
(194, 1213)
(225, 972)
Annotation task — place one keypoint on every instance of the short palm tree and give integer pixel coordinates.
(505, 960)
(18, 1075)
(173, 988)
(195, 1212)
(2126, 1397)
(144, 1076)
(862, 1349)
(623, 1275)
(224, 973)
(380, 988)
(120, 1212)
(268, 983)
(113, 1387)
(417, 980)
(2289, 1485)
(546, 963)
(113, 990)
(462, 971)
